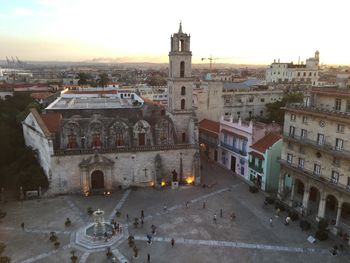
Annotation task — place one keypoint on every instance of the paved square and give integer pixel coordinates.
(248, 238)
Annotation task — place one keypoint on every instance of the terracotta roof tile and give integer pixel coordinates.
(52, 121)
(209, 125)
(41, 95)
(266, 142)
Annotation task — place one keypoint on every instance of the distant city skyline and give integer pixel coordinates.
(240, 32)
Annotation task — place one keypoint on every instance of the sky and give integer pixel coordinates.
(234, 31)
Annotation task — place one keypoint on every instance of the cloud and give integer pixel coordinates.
(19, 12)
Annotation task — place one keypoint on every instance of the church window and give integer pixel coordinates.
(182, 104)
(183, 137)
(182, 45)
(183, 90)
(119, 138)
(72, 141)
(182, 69)
(141, 139)
(96, 141)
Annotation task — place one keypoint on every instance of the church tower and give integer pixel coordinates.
(180, 87)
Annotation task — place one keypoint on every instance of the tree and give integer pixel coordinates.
(274, 109)
(103, 80)
(83, 78)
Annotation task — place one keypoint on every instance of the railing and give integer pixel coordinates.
(125, 149)
(234, 149)
(339, 151)
(257, 168)
(213, 142)
(310, 173)
(304, 107)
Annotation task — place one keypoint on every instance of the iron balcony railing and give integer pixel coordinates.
(211, 142)
(257, 168)
(321, 145)
(312, 174)
(323, 110)
(234, 149)
(125, 149)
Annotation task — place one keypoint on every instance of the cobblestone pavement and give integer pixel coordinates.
(197, 237)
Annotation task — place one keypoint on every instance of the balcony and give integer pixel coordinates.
(325, 147)
(257, 168)
(233, 149)
(209, 141)
(315, 176)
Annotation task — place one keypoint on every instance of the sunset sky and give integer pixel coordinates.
(249, 31)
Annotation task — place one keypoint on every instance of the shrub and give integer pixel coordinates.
(270, 200)
(136, 252)
(57, 244)
(90, 211)
(294, 216)
(68, 222)
(118, 214)
(73, 258)
(109, 253)
(131, 241)
(136, 222)
(322, 224)
(253, 189)
(321, 235)
(280, 206)
(53, 237)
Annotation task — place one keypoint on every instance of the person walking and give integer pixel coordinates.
(172, 242)
(204, 205)
(187, 204)
(214, 218)
(22, 225)
(142, 214)
(220, 212)
(271, 221)
(142, 222)
(127, 217)
(148, 258)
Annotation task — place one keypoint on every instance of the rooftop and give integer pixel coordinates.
(209, 125)
(52, 121)
(266, 142)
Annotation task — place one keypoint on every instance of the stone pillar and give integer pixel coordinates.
(109, 181)
(306, 198)
(321, 207)
(85, 184)
(292, 193)
(340, 204)
(281, 185)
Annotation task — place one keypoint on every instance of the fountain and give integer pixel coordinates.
(99, 228)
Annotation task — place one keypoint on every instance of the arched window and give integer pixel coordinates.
(72, 141)
(183, 90)
(182, 69)
(96, 141)
(182, 104)
(182, 45)
(183, 137)
(119, 138)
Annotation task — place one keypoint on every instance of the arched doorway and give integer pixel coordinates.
(314, 200)
(331, 209)
(97, 180)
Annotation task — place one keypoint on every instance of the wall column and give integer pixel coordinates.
(340, 204)
(306, 198)
(322, 206)
(281, 185)
(292, 192)
(85, 184)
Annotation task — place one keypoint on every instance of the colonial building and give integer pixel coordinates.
(281, 72)
(235, 141)
(209, 133)
(316, 156)
(264, 167)
(101, 139)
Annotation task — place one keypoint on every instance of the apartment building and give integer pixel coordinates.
(316, 156)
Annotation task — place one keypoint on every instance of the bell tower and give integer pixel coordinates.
(180, 82)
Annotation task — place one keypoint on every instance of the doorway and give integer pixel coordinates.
(97, 180)
(233, 163)
(215, 155)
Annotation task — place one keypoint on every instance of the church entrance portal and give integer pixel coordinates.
(97, 180)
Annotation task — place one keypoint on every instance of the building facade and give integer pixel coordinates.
(209, 133)
(92, 140)
(281, 72)
(264, 167)
(316, 156)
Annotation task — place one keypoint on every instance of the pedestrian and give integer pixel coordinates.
(149, 237)
(220, 212)
(214, 218)
(187, 204)
(142, 214)
(22, 226)
(278, 212)
(165, 208)
(148, 258)
(271, 221)
(204, 205)
(287, 221)
(153, 227)
(233, 216)
(172, 242)
(142, 222)
(127, 217)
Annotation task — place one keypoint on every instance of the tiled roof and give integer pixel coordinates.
(266, 142)
(234, 134)
(91, 92)
(52, 121)
(209, 125)
(41, 95)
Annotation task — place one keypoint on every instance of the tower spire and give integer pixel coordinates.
(180, 27)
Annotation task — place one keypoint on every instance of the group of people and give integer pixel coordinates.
(117, 228)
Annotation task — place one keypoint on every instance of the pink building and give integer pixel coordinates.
(236, 139)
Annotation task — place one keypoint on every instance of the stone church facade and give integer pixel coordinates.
(100, 140)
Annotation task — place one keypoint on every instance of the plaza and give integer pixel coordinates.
(247, 238)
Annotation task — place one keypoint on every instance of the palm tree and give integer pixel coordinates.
(103, 80)
(83, 78)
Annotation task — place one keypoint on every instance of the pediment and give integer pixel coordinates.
(97, 159)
